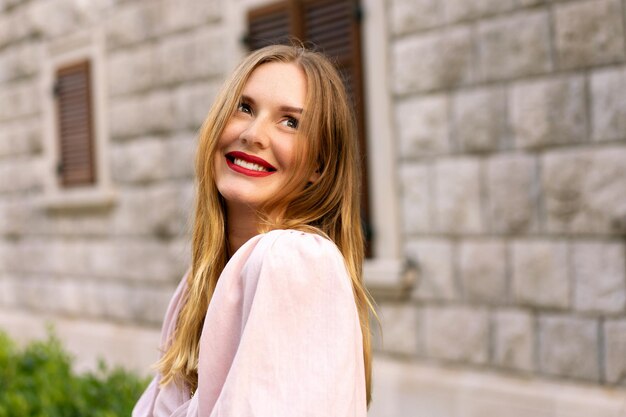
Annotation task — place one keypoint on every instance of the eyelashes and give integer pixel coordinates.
(290, 122)
(244, 107)
(286, 120)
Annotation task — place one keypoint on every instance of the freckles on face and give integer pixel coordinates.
(256, 150)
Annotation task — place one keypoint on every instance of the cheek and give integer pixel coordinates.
(285, 152)
(229, 134)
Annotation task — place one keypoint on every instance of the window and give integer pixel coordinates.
(72, 90)
(75, 124)
(333, 26)
(385, 272)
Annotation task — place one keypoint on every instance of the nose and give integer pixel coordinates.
(256, 133)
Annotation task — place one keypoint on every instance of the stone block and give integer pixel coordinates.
(608, 98)
(149, 260)
(36, 293)
(615, 353)
(479, 119)
(192, 103)
(134, 22)
(158, 112)
(424, 126)
(514, 340)
(599, 277)
(150, 113)
(401, 325)
(183, 14)
(21, 175)
(482, 268)
(458, 334)
(150, 304)
(457, 196)
(511, 196)
(102, 300)
(140, 161)
(126, 117)
(568, 347)
(527, 3)
(181, 151)
(14, 217)
(53, 18)
(588, 33)
(117, 301)
(416, 197)
(540, 274)
(585, 190)
(433, 259)
(22, 60)
(34, 221)
(8, 292)
(189, 56)
(413, 15)
(6, 35)
(20, 99)
(180, 249)
(514, 46)
(549, 112)
(20, 137)
(432, 61)
(457, 10)
(135, 213)
(53, 256)
(15, 25)
(131, 70)
(8, 256)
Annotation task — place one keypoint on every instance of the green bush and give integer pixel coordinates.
(38, 381)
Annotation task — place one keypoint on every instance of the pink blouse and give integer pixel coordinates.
(281, 337)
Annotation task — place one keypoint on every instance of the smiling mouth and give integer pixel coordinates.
(249, 165)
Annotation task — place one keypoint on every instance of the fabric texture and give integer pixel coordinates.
(281, 337)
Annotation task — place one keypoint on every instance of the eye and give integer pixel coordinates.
(244, 108)
(290, 122)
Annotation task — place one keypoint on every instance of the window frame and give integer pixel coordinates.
(58, 54)
(387, 274)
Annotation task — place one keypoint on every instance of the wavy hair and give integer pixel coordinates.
(329, 206)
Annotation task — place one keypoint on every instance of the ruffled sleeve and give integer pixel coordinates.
(293, 347)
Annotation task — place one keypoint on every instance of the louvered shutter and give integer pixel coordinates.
(76, 154)
(276, 23)
(333, 26)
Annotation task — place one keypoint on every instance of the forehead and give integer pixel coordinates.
(277, 83)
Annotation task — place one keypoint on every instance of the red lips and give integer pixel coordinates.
(230, 160)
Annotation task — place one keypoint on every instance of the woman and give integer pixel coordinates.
(272, 319)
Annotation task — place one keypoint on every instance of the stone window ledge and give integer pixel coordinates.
(79, 199)
(389, 278)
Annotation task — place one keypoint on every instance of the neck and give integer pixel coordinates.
(241, 224)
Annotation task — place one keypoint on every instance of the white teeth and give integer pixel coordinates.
(248, 165)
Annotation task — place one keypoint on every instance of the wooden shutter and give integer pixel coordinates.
(277, 23)
(332, 26)
(74, 116)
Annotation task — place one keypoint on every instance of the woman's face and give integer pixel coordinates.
(256, 151)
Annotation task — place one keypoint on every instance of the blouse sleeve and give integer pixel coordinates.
(300, 347)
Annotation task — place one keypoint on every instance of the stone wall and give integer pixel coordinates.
(510, 118)
(110, 266)
(509, 122)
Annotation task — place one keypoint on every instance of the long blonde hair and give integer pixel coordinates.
(329, 206)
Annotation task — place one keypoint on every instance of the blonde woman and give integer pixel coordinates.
(272, 319)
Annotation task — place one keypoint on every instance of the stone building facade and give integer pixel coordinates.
(497, 156)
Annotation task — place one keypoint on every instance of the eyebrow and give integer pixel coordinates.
(288, 109)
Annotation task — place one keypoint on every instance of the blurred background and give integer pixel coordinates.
(493, 136)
